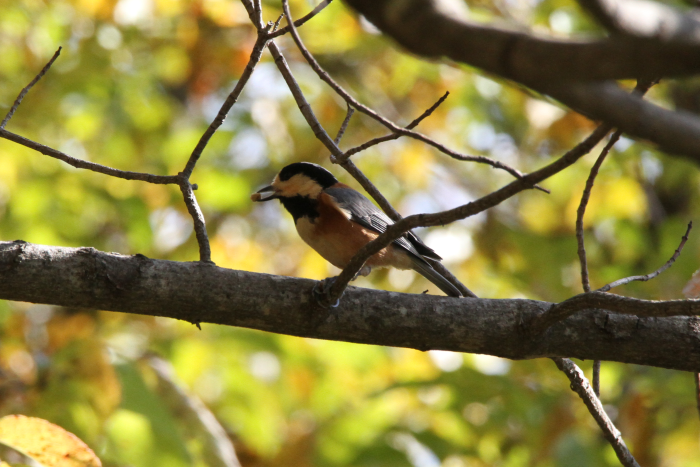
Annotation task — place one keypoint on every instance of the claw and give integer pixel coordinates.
(321, 289)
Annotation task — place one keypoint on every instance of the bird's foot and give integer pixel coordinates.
(322, 289)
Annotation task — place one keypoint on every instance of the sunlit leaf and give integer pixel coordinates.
(47, 443)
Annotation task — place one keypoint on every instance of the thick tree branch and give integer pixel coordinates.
(569, 71)
(676, 132)
(425, 28)
(85, 277)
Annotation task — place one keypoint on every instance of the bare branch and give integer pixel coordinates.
(596, 378)
(303, 105)
(228, 103)
(676, 132)
(26, 89)
(257, 7)
(196, 291)
(582, 209)
(616, 303)
(200, 228)
(392, 136)
(301, 20)
(652, 275)
(344, 125)
(182, 179)
(425, 29)
(580, 385)
(81, 164)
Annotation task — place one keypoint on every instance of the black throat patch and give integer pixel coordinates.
(300, 206)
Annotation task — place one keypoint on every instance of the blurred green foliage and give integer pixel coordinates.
(136, 85)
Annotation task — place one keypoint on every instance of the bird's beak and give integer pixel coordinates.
(264, 194)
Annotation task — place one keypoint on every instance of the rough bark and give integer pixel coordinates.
(201, 292)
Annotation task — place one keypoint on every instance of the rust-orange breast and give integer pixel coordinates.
(336, 238)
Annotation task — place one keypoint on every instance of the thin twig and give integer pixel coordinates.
(600, 299)
(200, 228)
(641, 88)
(257, 6)
(182, 179)
(384, 121)
(428, 112)
(228, 104)
(344, 126)
(461, 212)
(582, 209)
(26, 89)
(81, 164)
(301, 20)
(652, 275)
(301, 102)
(391, 136)
(580, 385)
(394, 135)
(579, 237)
(596, 378)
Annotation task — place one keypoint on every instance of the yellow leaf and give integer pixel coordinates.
(45, 442)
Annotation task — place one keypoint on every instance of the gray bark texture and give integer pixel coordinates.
(202, 292)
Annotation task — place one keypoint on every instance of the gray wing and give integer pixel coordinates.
(365, 213)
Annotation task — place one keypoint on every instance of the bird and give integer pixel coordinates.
(336, 221)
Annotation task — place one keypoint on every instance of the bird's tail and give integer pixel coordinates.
(427, 271)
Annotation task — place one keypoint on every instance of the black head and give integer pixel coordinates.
(314, 171)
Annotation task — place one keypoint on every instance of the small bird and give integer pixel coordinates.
(337, 221)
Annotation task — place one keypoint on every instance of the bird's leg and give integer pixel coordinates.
(321, 289)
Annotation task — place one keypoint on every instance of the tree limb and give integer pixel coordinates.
(569, 71)
(197, 291)
(425, 27)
